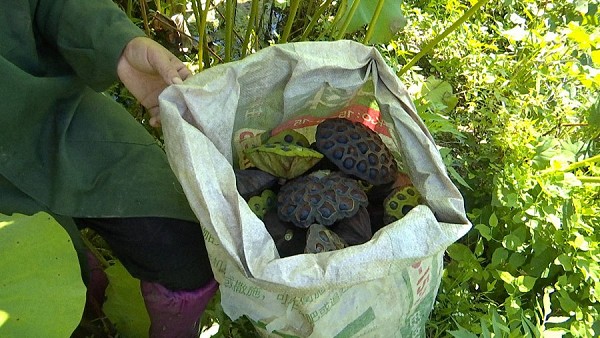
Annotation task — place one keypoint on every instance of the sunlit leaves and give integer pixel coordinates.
(439, 94)
(124, 305)
(516, 33)
(526, 76)
(390, 19)
(579, 35)
(594, 113)
(41, 291)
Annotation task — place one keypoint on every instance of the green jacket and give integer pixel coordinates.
(65, 147)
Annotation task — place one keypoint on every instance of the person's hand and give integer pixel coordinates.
(146, 68)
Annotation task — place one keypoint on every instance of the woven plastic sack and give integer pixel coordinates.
(383, 288)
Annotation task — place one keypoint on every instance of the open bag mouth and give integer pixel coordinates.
(213, 116)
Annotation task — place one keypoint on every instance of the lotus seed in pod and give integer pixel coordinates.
(400, 202)
(356, 150)
(320, 198)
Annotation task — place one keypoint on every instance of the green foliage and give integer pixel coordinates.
(523, 136)
(29, 294)
(124, 304)
(214, 315)
(383, 18)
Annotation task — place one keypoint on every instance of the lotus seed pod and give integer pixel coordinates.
(356, 150)
(252, 182)
(321, 239)
(354, 230)
(262, 203)
(320, 198)
(289, 239)
(400, 202)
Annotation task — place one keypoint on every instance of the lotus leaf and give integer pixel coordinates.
(124, 304)
(41, 294)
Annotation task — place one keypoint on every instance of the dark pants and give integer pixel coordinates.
(162, 250)
(154, 249)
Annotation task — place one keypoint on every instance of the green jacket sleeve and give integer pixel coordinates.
(89, 34)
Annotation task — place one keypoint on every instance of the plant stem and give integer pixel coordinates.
(440, 37)
(289, 21)
(371, 29)
(129, 8)
(574, 125)
(573, 166)
(95, 252)
(310, 7)
(171, 8)
(250, 27)
(588, 179)
(347, 21)
(225, 19)
(314, 20)
(341, 10)
(145, 17)
(199, 14)
(230, 21)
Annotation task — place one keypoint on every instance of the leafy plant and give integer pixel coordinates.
(523, 85)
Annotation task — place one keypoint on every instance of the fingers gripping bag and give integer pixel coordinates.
(385, 287)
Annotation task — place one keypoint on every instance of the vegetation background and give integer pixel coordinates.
(509, 90)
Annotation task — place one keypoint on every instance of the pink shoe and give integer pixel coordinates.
(98, 282)
(176, 314)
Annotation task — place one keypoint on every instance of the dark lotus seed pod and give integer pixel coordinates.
(252, 182)
(378, 194)
(400, 202)
(321, 239)
(376, 215)
(320, 198)
(354, 230)
(289, 239)
(356, 150)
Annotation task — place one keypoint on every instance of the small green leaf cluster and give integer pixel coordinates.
(511, 99)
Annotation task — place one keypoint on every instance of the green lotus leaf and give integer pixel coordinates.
(390, 20)
(41, 293)
(284, 160)
(124, 304)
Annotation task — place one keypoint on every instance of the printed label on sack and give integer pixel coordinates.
(356, 113)
(348, 312)
(246, 138)
(243, 288)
